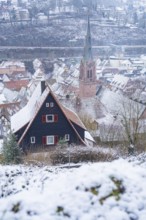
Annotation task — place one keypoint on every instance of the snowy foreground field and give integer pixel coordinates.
(101, 191)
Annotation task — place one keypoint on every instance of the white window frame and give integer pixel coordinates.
(51, 104)
(67, 137)
(32, 140)
(52, 120)
(48, 142)
(47, 104)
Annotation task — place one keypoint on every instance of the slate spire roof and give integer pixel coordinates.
(87, 56)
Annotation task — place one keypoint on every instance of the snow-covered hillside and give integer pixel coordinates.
(101, 191)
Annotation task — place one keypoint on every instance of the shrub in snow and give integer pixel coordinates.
(12, 153)
(80, 155)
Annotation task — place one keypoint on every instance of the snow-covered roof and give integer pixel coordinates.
(73, 117)
(37, 64)
(5, 64)
(5, 78)
(10, 95)
(2, 99)
(22, 117)
(116, 103)
(120, 81)
(88, 136)
(27, 114)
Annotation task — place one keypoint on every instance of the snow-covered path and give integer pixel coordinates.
(100, 191)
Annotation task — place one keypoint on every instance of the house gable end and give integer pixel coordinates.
(51, 121)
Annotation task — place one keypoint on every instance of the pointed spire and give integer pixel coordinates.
(88, 48)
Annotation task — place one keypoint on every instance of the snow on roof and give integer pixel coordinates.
(88, 136)
(22, 117)
(2, 99)
(5, 64)
(37, 64)
(116, 103)
(72, 116)
(5, 78)
(107, 119)
(10, 95)
(120, 81)
(143, 70)
(1, 86)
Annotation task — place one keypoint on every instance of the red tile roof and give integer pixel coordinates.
(16, 85)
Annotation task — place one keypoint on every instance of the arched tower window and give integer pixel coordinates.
(89, 74)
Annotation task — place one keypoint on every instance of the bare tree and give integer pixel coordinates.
(130, 118)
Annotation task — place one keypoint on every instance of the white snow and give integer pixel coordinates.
(2, 99)
(88, 136)
(100, 191)
(120, 81)
(22, 117)
(116, 103)
(5, 64)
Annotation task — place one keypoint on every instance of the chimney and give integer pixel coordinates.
(43, 86)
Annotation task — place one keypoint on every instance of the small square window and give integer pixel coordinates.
(50, 140)
(51, 104)
(67, 137)
(47, 104)
(49, 118)
(32, 140)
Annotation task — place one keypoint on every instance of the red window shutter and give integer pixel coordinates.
(43, 118)
(55, 118)
(56, 139)
(44, 140)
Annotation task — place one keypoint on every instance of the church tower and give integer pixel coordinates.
(87, 77)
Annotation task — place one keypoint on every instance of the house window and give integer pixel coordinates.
(32, 140)
(51, 104)
(67, 137)
(50, 140)
(49, 118)
(47, 104)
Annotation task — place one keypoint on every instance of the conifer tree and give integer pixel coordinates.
(12, 153)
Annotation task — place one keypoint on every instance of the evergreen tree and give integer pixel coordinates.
(12, 153)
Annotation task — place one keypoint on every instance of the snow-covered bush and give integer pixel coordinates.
(80, 154)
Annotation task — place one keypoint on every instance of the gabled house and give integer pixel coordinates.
(44, 121)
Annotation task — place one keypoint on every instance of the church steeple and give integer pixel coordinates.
(87, 56)
(87, 76)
